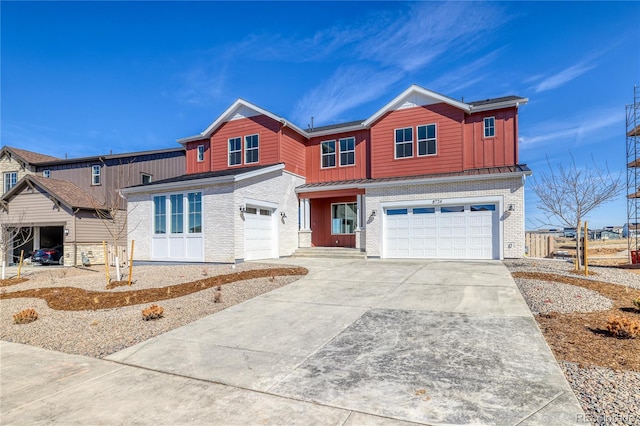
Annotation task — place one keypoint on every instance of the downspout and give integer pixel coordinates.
(75, 239)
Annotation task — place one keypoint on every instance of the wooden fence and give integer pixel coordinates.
(539, 245)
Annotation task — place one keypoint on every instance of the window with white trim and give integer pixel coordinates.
(489, 127)
(344, 218)
(404, 142)
(251, 153)
(46, 173)
(347, 151)
(177, 213)
(200, 153)
(427, 140)
(235, 151)
(10, 180)
(95, 175)
(194, 199)
(160, 214)
(328, 149)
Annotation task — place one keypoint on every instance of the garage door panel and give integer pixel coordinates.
(447, 232)
(259, 234)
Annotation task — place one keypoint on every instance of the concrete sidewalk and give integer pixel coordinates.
(353, 342)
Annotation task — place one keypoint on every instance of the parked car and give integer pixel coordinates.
(50, 256)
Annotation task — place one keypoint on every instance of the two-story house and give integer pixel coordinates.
(68, 202)
(425, 176)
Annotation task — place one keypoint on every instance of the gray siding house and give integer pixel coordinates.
(75, 203)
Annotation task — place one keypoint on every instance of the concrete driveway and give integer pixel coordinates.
(354, 342)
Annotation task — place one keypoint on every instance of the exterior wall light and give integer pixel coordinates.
(66, 232)
(283, 215)
(511, 208)
(373, 212)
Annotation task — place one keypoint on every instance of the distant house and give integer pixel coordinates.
(425, 176)
(58, 198)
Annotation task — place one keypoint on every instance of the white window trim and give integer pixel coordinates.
(335, 154)
(347, 151)
(246, 150)
(93, 175)
(426, 140)
(484, 127)
(12, 183)
(229, 152)
(185, 214)
(395, 143)
(200, 153)
(356, 217)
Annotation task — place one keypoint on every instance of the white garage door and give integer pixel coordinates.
(446, 232)
(259, 234)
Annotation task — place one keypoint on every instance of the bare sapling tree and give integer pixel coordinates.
(14, 233)
(570, 193)
(113, 212)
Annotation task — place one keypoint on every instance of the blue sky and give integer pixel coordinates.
(88, 78)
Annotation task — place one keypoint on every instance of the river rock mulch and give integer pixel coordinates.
(572, 312)
(97, 322)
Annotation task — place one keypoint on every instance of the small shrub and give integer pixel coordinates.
(152, 312)
(636, 303)
(623, 328)
(25, 317)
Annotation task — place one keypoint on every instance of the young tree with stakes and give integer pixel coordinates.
(570, 193)
(14, 233)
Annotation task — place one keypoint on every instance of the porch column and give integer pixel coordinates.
(304, 234)
(307, 214)
(359, 206)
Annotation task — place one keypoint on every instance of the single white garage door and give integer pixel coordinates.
(259, 234)
(467, 231)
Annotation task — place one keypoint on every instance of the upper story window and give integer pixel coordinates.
(404, 142)
(200, 153)
(145, 178)
(427, 140)
(328, 154)
(95, 175)
(489, 127)
(347, 151)
(251, 149)
(10, 180)
(235, 151)
(46, 173)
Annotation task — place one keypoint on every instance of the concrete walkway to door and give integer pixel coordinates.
(354, 342)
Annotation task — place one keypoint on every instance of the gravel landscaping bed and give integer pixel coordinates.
(99, 333)
(609, 396)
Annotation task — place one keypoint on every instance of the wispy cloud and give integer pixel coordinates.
(563, 77)
(348, 87)
(397, 46)
(577, 130)
(465, 76)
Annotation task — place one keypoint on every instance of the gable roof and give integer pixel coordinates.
(241, 108)
(66, 193)
(28, 157)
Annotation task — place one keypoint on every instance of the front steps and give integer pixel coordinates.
(330, 252)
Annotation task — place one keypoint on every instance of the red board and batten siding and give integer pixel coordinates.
(321, 223)
(292, 151)
(315, 172)
(449, 133)
(193, 165)
(500, 150)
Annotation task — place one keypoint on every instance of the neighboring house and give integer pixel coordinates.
(631, 230)
(425, 176)
(60, 199)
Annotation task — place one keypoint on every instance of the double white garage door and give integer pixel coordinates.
(462, 231)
